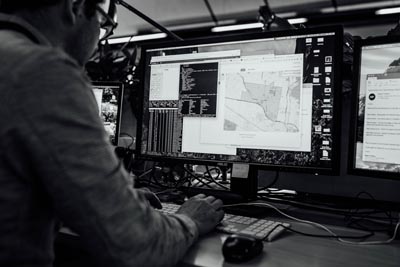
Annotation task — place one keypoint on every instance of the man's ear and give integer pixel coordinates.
(74, 9)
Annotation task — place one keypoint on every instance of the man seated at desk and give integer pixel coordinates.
(55, 158)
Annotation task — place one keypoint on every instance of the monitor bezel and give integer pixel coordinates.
(120, 86)
(357, 56)
(338, 30)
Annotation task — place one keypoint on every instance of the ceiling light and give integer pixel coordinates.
(136, 38)
(256, 25)
(200, 25)
(387, 11)
(297, 20)
(363, 6)
(286, 15)
(237, 27)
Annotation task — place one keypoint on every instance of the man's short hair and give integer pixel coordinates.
(12, 6)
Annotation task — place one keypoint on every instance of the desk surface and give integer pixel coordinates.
(295, 250)
(292, 249)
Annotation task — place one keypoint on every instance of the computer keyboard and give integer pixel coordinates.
(235, 224)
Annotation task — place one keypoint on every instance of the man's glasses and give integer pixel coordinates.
(107, 23)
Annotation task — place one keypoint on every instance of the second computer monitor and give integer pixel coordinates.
(375, 140)
(268, 99)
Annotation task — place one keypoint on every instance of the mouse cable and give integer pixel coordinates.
(318, 225)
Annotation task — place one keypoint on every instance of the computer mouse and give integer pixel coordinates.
(240, 248)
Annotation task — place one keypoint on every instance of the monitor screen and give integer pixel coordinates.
(268, 99)
(375, 142)
(109, 100)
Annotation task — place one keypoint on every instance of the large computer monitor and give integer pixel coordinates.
(264, 99)
(109, 100)
(375, 139)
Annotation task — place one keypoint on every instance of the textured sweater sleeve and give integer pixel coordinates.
(60, 135)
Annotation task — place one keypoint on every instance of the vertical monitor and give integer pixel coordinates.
(375, 140)
(109, 100)
(266, 99)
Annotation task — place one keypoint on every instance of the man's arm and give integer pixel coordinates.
(60, 136)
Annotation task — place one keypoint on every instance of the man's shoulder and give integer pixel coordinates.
(45, 58)
(21, 56)
(29, 71)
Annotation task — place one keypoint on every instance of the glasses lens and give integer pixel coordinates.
(102, 34)
(105, 32)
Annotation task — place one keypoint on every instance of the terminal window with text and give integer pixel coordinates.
(376, 141)
(264, 99)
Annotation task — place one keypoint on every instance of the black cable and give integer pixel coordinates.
(151, 171)
(209, 181)
(354, 220)
(277, 194)
(213, 180)
(149, 181)
(357, 221)
(363, 215)
(208, 171)
(322, 209)
(367, 216)
(302, 204)
(146, 173)
(166, 191)
(197, 178)
(198, 183)
(374, 199)
(355, 225)
(176, 184)
(153, 178)
(182, 181)
(335, 211)
(328, 236)
(212, 14)
(140, 179)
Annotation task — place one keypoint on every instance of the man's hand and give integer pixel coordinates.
(206, 212)
(150, 196)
